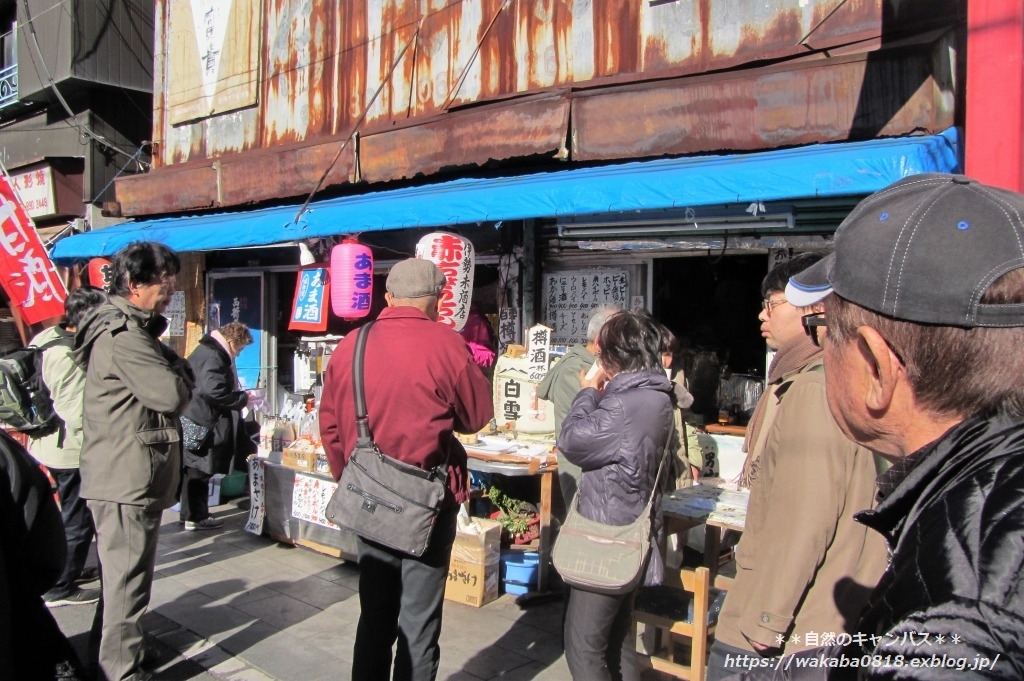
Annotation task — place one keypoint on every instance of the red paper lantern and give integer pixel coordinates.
(456, 259)
(351, 279)
(100, 273)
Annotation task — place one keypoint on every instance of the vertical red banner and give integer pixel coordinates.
(26, 271)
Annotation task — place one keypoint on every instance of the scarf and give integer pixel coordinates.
(786, 360)
(223, 342)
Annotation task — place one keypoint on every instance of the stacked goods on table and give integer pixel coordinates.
(304, 454)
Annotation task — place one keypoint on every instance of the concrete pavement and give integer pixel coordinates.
(232, 606)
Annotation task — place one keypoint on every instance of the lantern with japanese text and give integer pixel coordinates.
(101, 273)
(456, 258)
(351, 279)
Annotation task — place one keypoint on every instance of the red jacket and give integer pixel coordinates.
(421, 383)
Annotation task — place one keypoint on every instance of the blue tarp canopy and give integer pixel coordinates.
(820, 170)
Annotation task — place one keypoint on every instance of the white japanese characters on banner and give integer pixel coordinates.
(26, 272)
(310, 495)
(570, 297)
(455, 258)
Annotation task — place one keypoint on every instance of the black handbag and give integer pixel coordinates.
(380, 498)
(193, 435)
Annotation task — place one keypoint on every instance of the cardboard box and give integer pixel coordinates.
(470, 583)
(300, 461)
(473, 572)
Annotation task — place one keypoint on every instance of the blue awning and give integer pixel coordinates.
(820, 170)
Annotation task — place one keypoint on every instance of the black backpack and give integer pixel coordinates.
(25, 402)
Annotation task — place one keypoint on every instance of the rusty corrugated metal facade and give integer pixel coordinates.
(552, 81)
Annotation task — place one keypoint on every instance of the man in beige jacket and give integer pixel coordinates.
(805, 569)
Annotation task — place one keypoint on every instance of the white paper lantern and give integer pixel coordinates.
(456, 258)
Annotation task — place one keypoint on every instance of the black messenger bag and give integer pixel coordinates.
(380, 498)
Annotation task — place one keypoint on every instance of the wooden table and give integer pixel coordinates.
(487, 461)
(718, 508)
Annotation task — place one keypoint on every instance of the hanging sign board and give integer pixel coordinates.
(508, 327)
(26, 272)
(309, 308)
(570, 297)
(538, 349)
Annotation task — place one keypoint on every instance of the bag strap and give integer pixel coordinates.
(661, 466)
(363, 435)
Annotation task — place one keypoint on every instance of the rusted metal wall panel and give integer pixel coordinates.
(850, 98)
(321, 62)
(171, 189)
(289, 171)
(467, 138)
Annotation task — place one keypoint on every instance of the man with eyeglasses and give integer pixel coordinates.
(924, 356)
(803, 566)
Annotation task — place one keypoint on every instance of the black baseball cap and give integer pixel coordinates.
(924, 249)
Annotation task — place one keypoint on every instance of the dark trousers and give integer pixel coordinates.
(78, 527)
(599, 645)
(195, 495)
(400, 600)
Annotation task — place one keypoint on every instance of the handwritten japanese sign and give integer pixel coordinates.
(26, 272)
(175, 314)
(570, 297)
(309, 308)
(310, 495)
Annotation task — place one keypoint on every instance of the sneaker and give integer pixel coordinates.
(89, 574)
(74, 597)
(205, 524)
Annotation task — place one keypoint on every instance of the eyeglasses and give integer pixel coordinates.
(768, 305)
(811, 323)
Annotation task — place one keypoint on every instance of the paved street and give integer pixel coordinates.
(230, 605)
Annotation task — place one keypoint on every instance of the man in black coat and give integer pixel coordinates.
(924, 354)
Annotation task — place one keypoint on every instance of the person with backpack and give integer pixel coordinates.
(58, 449)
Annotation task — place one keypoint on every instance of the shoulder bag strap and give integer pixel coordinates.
(657, 478)
(363, 435)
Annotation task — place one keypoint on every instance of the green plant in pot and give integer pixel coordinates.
(515, 516)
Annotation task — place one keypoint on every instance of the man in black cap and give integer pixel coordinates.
(421, 384)
(924, 356)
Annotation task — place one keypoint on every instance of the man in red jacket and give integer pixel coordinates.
(421, 385)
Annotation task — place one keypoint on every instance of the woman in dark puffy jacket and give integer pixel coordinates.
(616, 431)
(212, 412)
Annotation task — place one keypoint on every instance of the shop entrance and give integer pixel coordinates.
(711, 304)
